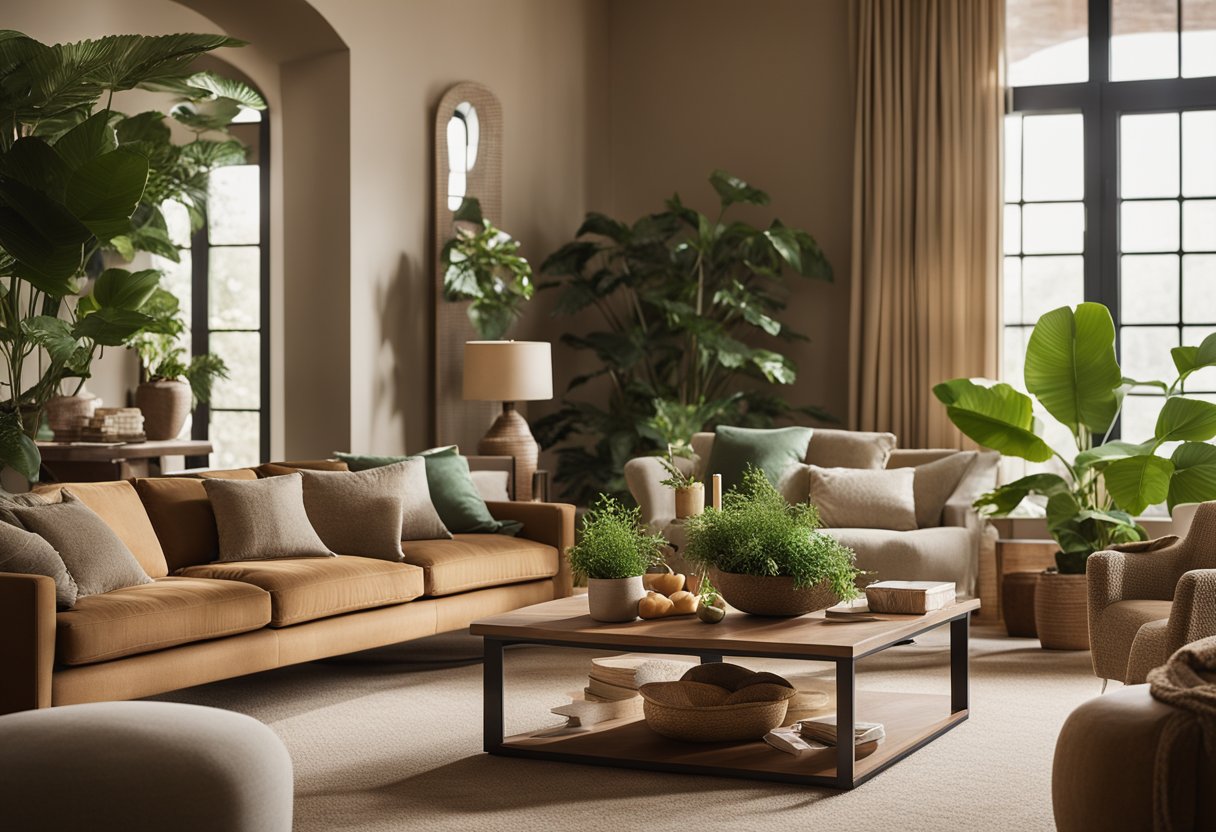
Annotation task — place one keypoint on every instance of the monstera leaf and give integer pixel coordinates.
(994, 415)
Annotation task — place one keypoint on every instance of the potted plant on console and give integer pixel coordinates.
(172, 388)
(1094, 496)
(689, 491)
(614, 552)
(481, 264)
(768, 557)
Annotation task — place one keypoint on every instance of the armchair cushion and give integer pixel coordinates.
(1111, 640)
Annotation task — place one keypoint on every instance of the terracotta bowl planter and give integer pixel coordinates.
(614, 600)
(1061, 614)
(764, 595)
(165, 405)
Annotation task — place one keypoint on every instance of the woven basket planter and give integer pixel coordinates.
(66, 415)
(765, 595)
(165, 405)
(1061, 614)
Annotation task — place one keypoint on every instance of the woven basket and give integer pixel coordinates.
(764, 595)
(165, 405)
(66, 415)
(689, 711)
(1061, 615)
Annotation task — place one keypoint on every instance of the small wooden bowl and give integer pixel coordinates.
(717, 703)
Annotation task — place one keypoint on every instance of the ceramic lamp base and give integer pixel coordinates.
(510, 436)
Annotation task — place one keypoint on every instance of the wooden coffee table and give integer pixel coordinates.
(911, 720)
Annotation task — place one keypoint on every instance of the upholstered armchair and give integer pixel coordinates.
(1148, 599)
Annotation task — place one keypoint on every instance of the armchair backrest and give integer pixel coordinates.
(1199, 545)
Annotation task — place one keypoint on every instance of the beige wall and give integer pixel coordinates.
(763, 91)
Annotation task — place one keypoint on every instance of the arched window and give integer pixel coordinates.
(223, 283)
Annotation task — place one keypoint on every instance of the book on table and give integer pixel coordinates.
(909, 597)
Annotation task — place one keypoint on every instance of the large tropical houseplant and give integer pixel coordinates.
(78, 179)
(689, 305)
(1073, 373)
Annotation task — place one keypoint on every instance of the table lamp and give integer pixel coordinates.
(510, 372)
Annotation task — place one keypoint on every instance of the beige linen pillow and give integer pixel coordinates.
(935, 482)
(849, 448)
(853, 498)
(263, 519)
(26, 553)
(357, 513)
(95, 557)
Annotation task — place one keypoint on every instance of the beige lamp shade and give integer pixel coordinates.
(508, 371)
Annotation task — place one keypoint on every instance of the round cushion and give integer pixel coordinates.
(140, 766)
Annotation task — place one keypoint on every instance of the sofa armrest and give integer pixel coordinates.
(27, 650)
(644, 476)
(549, 523)
(1193, 615)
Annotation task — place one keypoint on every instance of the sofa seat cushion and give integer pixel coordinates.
(305, 589)
(473, 561)
(164, 613)
(948, 553)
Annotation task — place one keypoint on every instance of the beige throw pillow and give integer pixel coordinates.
(849, 449)
(263, 519)
(93, 554)
(935, 482)
(852, 498)
(357, 513)
(26, 553)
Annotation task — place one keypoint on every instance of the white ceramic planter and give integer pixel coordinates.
(615, 599)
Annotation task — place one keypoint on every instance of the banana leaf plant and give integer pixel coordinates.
(691, 334)
(78, 179)
(1072, 372)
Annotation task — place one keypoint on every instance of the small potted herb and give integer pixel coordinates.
(690, 492)
(614, 552)
(768, 557)
(710, 607)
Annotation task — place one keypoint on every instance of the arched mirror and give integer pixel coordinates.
(468, 163)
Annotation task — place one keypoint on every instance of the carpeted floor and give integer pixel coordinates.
(391, 739)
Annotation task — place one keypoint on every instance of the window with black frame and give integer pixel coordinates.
(1110, 179)
(222, 282)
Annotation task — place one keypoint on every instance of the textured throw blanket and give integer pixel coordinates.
(1187, 682)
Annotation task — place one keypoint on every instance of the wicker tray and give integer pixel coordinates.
(717, 702)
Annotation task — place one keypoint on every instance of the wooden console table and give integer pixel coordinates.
(85, 462)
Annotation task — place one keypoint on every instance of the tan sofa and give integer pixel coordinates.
(948, 552)
(1149, 599)
(200, 621)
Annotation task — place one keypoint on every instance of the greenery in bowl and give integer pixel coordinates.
(613, 544)
(756, 532)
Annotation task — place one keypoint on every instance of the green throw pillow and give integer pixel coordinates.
(771, 450)
(453, 492)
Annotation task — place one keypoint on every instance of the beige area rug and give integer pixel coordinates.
(391, 739)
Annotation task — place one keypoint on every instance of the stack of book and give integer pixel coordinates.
(114, 424)
(612, 689)
(819, 733)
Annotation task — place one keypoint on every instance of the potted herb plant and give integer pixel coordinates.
(768, 557)
(1096, 492)
(172, 387)
(481, 264)
(614, 552)
(689, 491)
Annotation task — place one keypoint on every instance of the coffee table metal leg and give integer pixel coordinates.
(960, 684)
(846, 719)
(492, 695)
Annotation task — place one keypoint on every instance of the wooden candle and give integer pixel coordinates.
(717, 496)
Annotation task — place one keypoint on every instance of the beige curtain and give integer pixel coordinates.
(926, 213)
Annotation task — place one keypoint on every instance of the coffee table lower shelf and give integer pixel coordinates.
(911, 720)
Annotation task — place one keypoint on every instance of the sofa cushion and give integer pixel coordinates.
(304, 589)
(164, 613)
(832, 448)
(770, 450)
(263, 519)
(118, 504)
(948, 553)
(935, 482)
(26, 553)
(94, 555)
(243, 474)
(182, 517)
(864, 498)
(358, 513)
(277, 469)
(472, 561)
